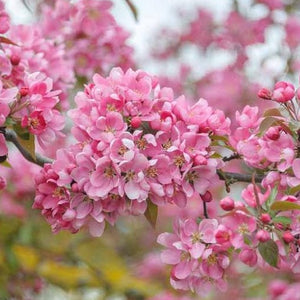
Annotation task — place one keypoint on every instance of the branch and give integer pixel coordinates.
(40, 160)
(236, 177)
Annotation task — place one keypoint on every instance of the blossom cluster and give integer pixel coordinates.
(29, 100)
(94, 41)
(136, 144)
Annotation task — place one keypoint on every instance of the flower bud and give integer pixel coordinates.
(227, 204)
(15, 60)
(265, 218)
(283, 92)
(248, 257)
(263, 235)
(265, 94)
(273, 133)
(200, 160)
(288, 237)
(23, 91)
(207, 197)
(135, 122)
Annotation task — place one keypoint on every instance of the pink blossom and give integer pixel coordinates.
(283, 92)
(249, 195)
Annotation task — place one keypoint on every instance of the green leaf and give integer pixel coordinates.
(271, 197)
(282, 219)
(151, 213)
(218, 138)
(216, 155)
(272, 112)
(269, 252)
(294, 190)
(21, 131)
(266, 124)
(285, 205)
(6, 164)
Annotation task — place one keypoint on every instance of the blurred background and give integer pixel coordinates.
(223, 51)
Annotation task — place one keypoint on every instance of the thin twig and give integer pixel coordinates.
(237, 177)
(40, 160)
(205, 210)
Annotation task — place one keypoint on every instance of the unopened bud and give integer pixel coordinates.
(265, 218)
(23, 91)
(207, 197)
(265, 94)
(135, 122)
(15, 60)
(288, 237)
(227, 204)
(263, 235)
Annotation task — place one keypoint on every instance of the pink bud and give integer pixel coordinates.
(135, 122)
(283, 92)
(207, 197)
(248, 257)
(75, 188)
(23, 91)
(288, 237)
(265, 94)
(227, 204)
(15, 60)
(265, 218)
(273, 133)
(263, 235)
(200, 160)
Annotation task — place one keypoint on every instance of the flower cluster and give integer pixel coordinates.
(136, 144)
(29, 102)
(199, 260)
(94, 41)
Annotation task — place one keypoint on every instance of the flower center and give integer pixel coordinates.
(167, 144)
(129, 175)
(196, 237)
(141, 144)
(122, 150)
(109, 172)
(212, 259)
(179, 160)
(152, 172)
(59, 192)
(243, 228)
(191, 176)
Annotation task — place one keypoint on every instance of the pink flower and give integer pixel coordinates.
(248, 195)
(108, 127)
(133, 182)
(196, 236)
(240, 225)
(35, 122)
(248, 118)
(198, 179)
(248, 256)
(283, 92)
(214, 264)
(105, 178)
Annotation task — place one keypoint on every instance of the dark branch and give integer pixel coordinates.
(205, 210)
(40, 160)
(231, 157)
(236, 177)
